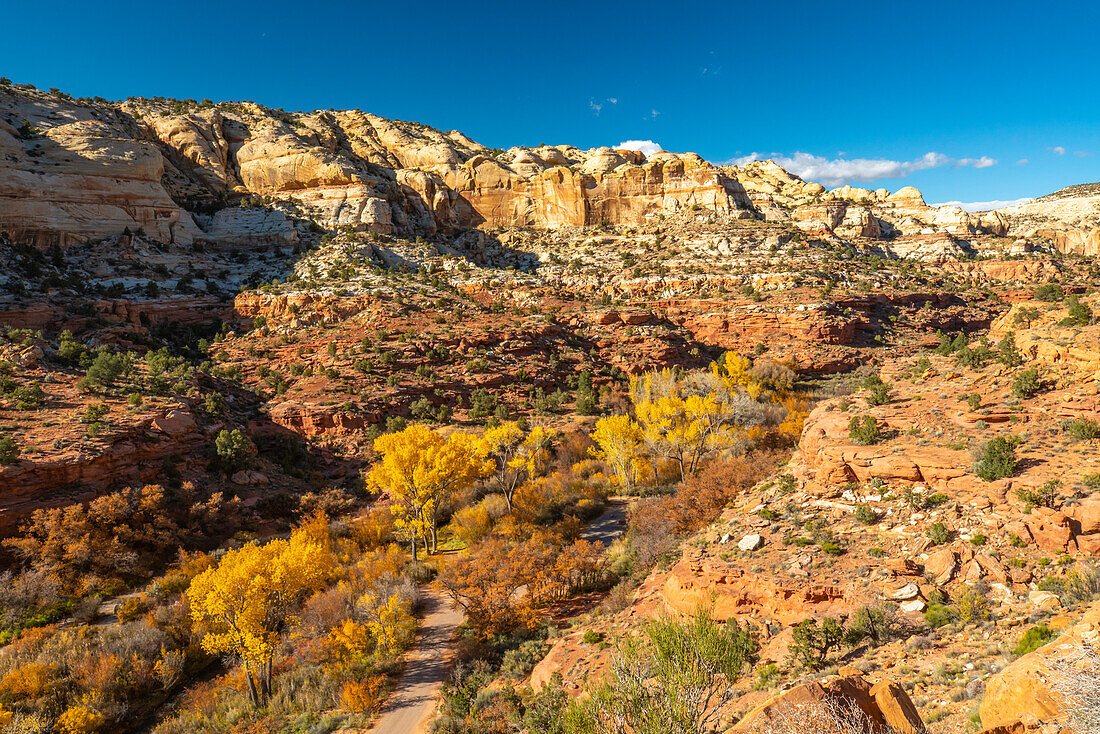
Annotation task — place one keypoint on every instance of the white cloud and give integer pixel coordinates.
(1082, 153)
(837, 172)
(613, 100)
(983, 162)
(648, 147)
(1058, 150)
(1022, 162)
(595, 107)
(983, 206)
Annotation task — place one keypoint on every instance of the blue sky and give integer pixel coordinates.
(881, 93)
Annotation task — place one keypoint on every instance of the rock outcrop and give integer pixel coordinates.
(1022, 696)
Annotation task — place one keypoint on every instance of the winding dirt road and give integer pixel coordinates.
(410, 708)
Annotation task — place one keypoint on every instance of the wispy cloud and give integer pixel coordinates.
(597, 106)
(1022, 162)
(1057, 150)
(983, 206)
(648, 147)
(836, 172)
(1082, 153)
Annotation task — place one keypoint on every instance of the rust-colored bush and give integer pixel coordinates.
(363, 696)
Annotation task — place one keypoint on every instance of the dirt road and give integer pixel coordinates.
(410, 708)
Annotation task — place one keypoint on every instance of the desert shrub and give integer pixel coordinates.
(519, 661)
(675, 677)
(827, 716)
(9, 450)
(1081, 429)
(970, 605)
(938, 533)
(1033, 639)
(879, 391)
(1077, 586)
(363, 696)
(123, 534)
(1075, 679)
(864, 430)
(866, 515)
(974, 401)
(938, 615)
(1044, 496)
(1026, 383)
(482, 403)
(997, 459)
(130, 609)
(79, 720)
(1079, 313)
(1049, 292)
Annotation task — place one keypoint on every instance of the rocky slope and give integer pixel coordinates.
(906, 522)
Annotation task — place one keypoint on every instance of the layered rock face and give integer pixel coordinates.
(69, 174)
(80, 170)
(74, 171)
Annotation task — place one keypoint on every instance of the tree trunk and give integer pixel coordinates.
(253, 694)
(435, 539)
(412, 543)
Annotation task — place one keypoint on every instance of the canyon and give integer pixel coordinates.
(316, 280)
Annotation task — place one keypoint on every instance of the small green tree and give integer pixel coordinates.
(812, 643)
(9, 450)
(233, 448)
(997, 459)
(1026, 384)
(864, 430)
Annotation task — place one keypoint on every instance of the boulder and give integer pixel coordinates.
(750, 542)
(174, 423)
(884, 703)
(896, 707)
(942, 566)
(905, 593)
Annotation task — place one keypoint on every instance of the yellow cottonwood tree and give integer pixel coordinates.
(618, 443)
(421, 470)
(518, 456)
(686, 416)
(244, 603)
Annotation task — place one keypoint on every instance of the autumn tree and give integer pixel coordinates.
(421, 471)
(618, 444)
(243, 604)
(685, 417)
(498, 584)
(518, 455)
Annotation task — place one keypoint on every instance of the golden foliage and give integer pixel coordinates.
(619, 442)
(244, 602)
(30, 681)
(420, 470)
(363, 696)
(79, 720)
(518, 456)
